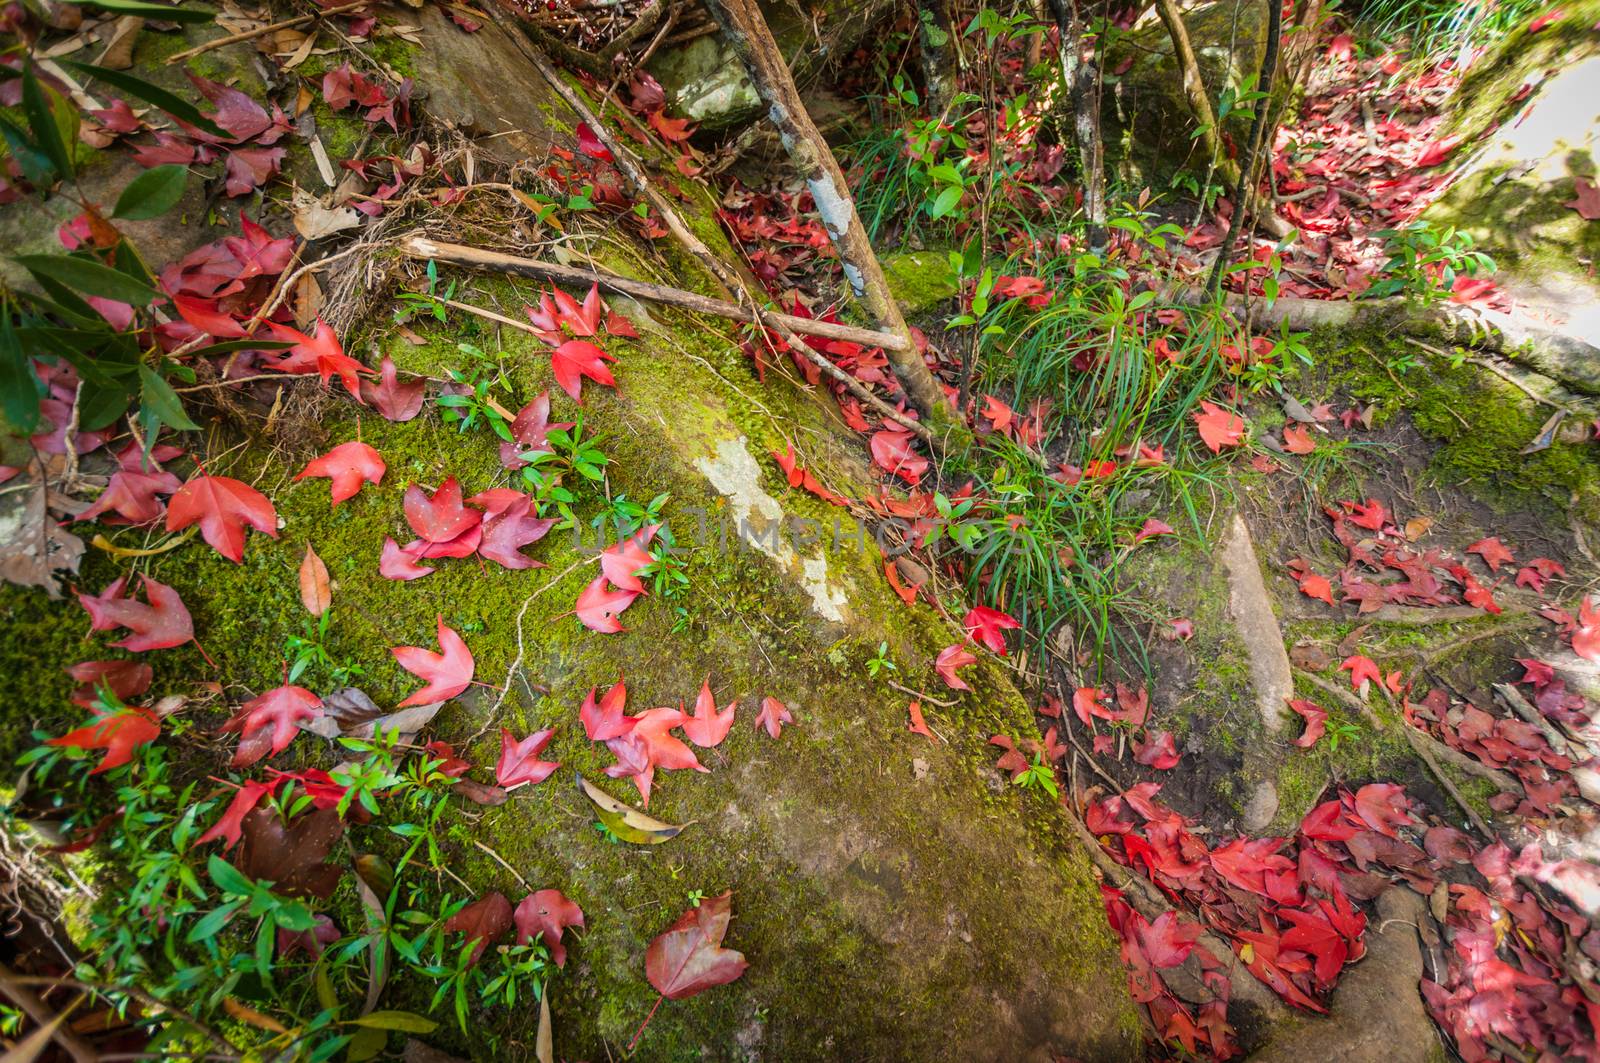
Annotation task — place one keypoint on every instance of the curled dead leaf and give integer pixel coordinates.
(625, 821)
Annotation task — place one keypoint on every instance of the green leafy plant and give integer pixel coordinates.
(880, 662)
(1424, 262)
(1039, 776)
(308, 654)
(552, 475)
(481, 375)
(429, 302)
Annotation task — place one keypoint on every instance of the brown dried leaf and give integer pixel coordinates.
(315, 593)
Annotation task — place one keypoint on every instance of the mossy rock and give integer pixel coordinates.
(896, 896)
(1147, 119)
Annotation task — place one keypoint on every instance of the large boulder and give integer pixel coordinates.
(1148, 124)
(896, 896)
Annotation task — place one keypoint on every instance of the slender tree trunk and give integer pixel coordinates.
(1194, 90)
(1246, 182)
(746, 31)
(936, 44)
(1082, 77)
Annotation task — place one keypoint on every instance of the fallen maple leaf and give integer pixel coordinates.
(484, 921)
(1152, 527)
(1493, 552)
(267, 723)
(229, 825)
(442, 519)
(576, 359)
(1297, 439)
(983, 624)
(1087, 704)
(918, 725)
(126, 680)
(393, 400)
(773, 715)
(1362, 670)
(1158, 750)
(510, 526)
(399, 562)
(134, 489)
(1316, 718)
(519, 764)
(543, 916)
(447, 673)
(1318, 587)
(1382, 806)
(319, 352)
(950, 658)
(707, 727)
(1586, 635)
(590, 144)
(348, 465)
(1218, 427)
(160, 625)
(893, 452)
(605, 720)
(688, 957)
(599, 606)
(620, 563)
(223, 507)
(118, 733)
(675, 130)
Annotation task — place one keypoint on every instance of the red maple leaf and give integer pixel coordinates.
(1312, 934)
(204, 315)
(1087, 703)
(118, 733)
(134, 489)
(1315, 586)
(983, 624)
(1371, 514)
(605, 720)
(1383, 806)
(576, 359)
(707, 727)
(801, 477)
(918, 725)
(598, 606)
(393, 400)
(621, 562)
(675, 130)
(447, 673)
(530, 430)
(485, 921)
(773, 715)
(1316, 718)
(519, 764)
(688, 957)
(160, 625)
(125, 679)
(223, 507)
(1158, 750)
(348, 465)
(1493, 552)
(401, 562)
(1001, 417)
(542, 916)
(893, 452)
(1153, 527)
(442, 520)
(590, 144)
(319, 353)
(509, 524)
(1587, 203)
(1534, 574)
(231, 823)
(950, 658)
(1218, 427)
(1297, 439)
(267, 723)
(1361, 669)
(1586, 635)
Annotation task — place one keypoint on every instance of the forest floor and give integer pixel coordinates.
(1231, 694)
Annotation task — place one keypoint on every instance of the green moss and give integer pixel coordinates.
(919, 280)
(1478, 423)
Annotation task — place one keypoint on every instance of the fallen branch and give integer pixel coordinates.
(640, 180)
(475, 258)
(745, 29)
(42, 1014)
(1560, 355)
(262, 31)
